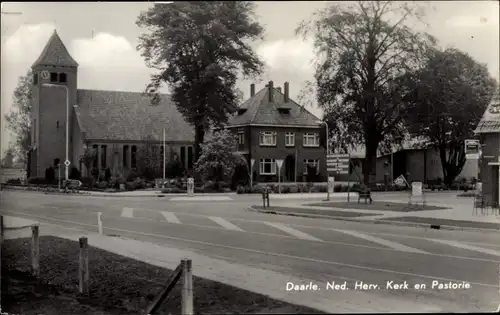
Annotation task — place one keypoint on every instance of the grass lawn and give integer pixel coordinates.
(377, 206)
(118, 285)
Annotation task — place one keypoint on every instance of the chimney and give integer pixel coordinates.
(271, 91)
(252, 90)
(279, 89)
(287, 92)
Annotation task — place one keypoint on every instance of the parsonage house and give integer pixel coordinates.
(488, 130)
(272, 127)
(112, 122)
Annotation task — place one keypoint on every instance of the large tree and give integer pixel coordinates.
(198, 50)
(19, 118)
(451, 94)
(366, 52)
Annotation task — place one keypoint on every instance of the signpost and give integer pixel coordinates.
(279, 163)
(472, 148)
(252, 162)
(338, 164)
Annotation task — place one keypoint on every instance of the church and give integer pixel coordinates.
(66, 120)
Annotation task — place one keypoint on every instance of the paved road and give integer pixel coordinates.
(321, 250)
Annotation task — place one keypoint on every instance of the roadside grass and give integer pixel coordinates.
(118, 285)
(325, 212)
(377, 206)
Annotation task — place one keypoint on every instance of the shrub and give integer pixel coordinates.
(139, 183)
(132, 175)
(13, 181)
(75, 173)
(241, 190)
(173, 190)
(294, 189)
(50, 175)
(102, 185)
(285, 189)
(87, 181)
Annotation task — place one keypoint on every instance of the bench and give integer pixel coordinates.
(365, 194)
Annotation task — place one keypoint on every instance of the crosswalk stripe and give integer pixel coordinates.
(202, 198)
(127, 212)
(392, 245)
(468, 247)
(170, 217)
(293, 232)
(225, 224)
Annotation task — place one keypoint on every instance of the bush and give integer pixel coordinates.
(241, 189)
(139, 183)
(129, 186)
(87, 181)
(50, 175)
(294, 189)
(285, 189)
(132, 175)
(102, 185)
(13, 181)
(75, 173)
(174, 190)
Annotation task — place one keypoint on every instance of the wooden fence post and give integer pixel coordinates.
(35, 250)
(187, 287)
(84, 266)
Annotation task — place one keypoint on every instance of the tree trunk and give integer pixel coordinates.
(199, 135)
(370, 163)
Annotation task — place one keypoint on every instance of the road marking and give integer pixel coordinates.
(333, 263)
(170, 217)
(293, 232)
(225, 224)
(469, 247)
(393, 245)
(201, 198)
(127, 213)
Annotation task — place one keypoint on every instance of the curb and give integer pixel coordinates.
(399, 223)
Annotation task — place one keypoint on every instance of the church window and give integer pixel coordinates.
(63, 78)
(53, 77)
(35, 78)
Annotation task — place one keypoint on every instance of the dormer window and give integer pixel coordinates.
(35, 78)
(284, 110)
(241, 111)
(53, 77)
(63, 78)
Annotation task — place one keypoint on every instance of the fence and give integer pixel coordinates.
(184, 269)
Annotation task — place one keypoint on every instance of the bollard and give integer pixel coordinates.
(187, 287)
(99, 222)
(84, 266)
(35, 251)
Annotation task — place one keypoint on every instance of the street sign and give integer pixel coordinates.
(472, 148)
(252, 162)
(338, 163)
(67, 162)
(279, 163)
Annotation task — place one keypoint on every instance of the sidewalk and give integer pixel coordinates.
(258, 280)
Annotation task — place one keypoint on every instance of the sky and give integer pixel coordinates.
(102, 36)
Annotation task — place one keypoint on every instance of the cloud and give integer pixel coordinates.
(106, 62)
(283, 54)
(473, 21)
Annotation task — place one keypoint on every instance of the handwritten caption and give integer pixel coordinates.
(388, 285)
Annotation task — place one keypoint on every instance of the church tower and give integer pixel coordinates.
(54, 87)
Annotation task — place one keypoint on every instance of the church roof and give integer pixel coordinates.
(258, 109)
(129, 116)
(55, 54)
(490, 122)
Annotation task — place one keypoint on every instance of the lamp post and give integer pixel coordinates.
(327, 151)
(66, 173)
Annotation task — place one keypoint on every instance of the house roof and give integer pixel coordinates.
(490, 122)
(55, 54)
(259, 110)
(129, 116)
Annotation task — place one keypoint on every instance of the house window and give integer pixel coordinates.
(267, 167)
(133, 157)
(63, 78)
(125, 155)
(35, 78)
(241, 137)
(94, 162)
(53, 77)
(268, 138)
(103, 155)
(183, 156)
(311, 140)
(190, 158)
(289, 139)
(311, 163)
